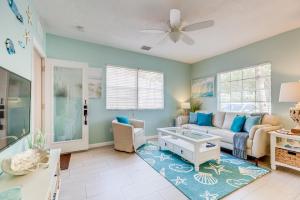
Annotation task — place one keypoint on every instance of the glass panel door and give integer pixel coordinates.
(68, 100)
(66, 105)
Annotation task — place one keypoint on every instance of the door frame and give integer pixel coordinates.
(72, 145)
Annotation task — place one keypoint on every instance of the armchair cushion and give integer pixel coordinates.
(122, 119)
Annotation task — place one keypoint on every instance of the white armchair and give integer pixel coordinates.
(128, 137)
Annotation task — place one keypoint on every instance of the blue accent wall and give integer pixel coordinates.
(282, 51)
(21, 62)
(176, 74)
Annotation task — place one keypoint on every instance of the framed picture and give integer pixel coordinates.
(203, 87)
(95, 82)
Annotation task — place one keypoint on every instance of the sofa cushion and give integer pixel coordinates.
(238, 123)
(198, 128)
(271, 120)
(226, 135)
(218, 119)
(204, 119)
(229, 117)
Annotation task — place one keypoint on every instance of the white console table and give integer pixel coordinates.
(43, 184)
(278, 142)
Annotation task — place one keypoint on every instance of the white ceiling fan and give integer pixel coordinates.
(175, 29)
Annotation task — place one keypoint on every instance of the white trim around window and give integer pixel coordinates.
(245, 90)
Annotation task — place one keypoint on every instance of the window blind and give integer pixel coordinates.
(150, 90)
(128, 88)
(121, 88)
(245, 90)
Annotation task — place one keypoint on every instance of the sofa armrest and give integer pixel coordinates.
(262, 129)
(261, 140)
(181, 120)
(137, 123)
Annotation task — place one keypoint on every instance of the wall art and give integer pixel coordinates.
(29, 16)
(10, 46)
(203, 87)
(95, 82)
(27, 37)
(21, 44)
(14, 9)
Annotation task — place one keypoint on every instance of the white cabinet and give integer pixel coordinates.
(43, 184)
(285, 150)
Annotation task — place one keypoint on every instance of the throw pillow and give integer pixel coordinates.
(250, 122)
(122, 119)
(229, 117)
(193, 118)
(218, 119)
(238, 123)
(204, 119)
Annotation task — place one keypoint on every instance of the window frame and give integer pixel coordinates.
(242, 80)
(137, 89)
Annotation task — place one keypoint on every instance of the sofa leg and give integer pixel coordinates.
(256, 162)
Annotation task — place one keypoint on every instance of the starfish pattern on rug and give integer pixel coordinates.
(179, 181)
(146, 152)
(163, 157)
(162, 172)
(218, 169)
(208, 196)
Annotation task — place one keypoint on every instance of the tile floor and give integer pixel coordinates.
(105, 174)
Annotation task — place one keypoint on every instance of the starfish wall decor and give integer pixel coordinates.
(29, 16)
(27, 37)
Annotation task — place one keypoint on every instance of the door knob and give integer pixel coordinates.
(85, 112)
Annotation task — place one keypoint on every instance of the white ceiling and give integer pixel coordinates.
(117, 23)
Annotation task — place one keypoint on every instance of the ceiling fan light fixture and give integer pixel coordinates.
(174, 36)
(175, 18)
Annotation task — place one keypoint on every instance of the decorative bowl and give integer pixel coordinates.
(41, 161)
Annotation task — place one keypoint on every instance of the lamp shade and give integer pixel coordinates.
(290, 92)
(186, 106)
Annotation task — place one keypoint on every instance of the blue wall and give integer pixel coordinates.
(282, 51)
(21, 62)
(177, 82)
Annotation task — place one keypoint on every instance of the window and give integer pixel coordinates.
(245, 90)
(128, 89)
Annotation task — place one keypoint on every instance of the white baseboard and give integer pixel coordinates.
(101, 144)
(150, 137)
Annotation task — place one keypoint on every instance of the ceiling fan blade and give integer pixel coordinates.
(174, 36)
(175, 18)
(163, 39)
(153, 31)
(187, 39)
(198, 26)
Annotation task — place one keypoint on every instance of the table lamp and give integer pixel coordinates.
(290, 92)
(186, 107)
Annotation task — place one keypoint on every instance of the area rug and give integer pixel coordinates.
(213, 181)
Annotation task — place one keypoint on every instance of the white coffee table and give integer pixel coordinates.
(195, 146)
